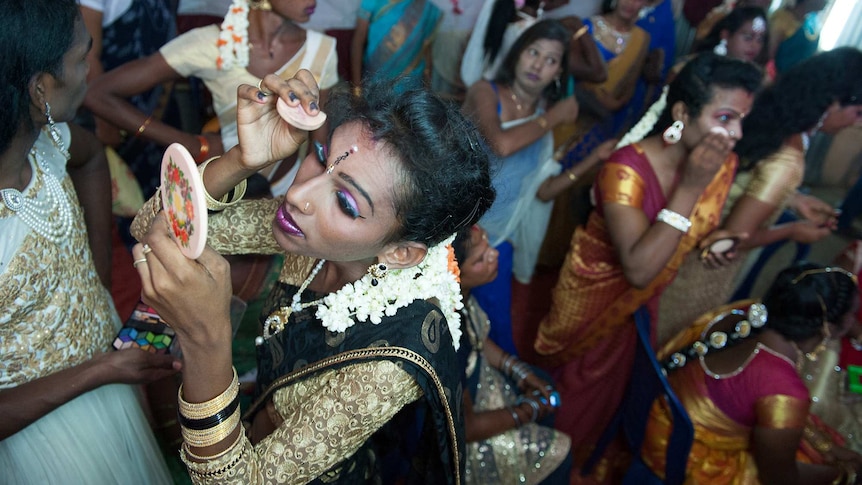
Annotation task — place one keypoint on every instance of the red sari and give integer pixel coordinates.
(588, 339)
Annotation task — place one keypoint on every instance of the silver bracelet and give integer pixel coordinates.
(674, 220)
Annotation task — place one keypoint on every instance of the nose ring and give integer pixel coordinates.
(307, 205)
(732, 133)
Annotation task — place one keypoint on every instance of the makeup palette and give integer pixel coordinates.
(145, 330)
(183, 200)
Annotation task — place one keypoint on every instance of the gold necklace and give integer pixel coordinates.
(515, 99)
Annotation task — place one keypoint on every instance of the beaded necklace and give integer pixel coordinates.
(48, 213)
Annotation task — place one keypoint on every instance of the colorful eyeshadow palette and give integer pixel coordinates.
(183, 200)
(156, 343)
(145, 330)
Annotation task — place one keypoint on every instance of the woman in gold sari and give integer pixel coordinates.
(744, 394)
(821, 94)
(655, 199)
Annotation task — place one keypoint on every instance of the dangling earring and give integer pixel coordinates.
(673, 133)
(559, 88)
(55, 132)
(820, 122)
(721, 48)
(378, 272)
(260, 5)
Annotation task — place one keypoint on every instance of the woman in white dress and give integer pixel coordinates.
(69, 415)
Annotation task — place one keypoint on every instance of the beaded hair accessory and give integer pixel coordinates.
(755, 319)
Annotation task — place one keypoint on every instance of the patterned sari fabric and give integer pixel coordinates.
(375, 404)
(589, 336)
(765, 392)
(698, 289)
(527, 454)
(399, 33)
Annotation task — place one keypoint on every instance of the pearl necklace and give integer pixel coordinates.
(275, 323)
(50, 216)
(619, 39)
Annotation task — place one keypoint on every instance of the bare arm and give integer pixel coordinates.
(357, 49)
(88, 169)
(645, 249)
(481, 106)
(749, 214)
(585, 62)
(774, 453)
(107, 97)
(554, 186)
(22, 405)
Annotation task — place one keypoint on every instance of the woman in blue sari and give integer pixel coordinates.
(392, 39)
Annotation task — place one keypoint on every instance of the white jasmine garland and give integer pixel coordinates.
(361, 301)
(233, 37)
(646, 123)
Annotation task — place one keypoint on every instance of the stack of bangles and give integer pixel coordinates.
(534, 406)
(232, 197)
(846, 474)
(514, 368)
(207, 423)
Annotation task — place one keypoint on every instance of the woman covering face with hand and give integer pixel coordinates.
(357, 372)
(655, 199)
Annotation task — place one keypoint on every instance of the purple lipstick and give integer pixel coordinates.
(286, 223)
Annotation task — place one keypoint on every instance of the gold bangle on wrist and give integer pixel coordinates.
(543, 123)
(211, 436)
(228, 199)
(143, 126)
(208, 408)
(580, 32)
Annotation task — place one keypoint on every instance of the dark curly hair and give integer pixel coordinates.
(798, 99)
(794, 300)
(34, 38)
(731, 23)
(545, 29)
(444, 161)
(694, 84)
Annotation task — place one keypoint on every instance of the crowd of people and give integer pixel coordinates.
(468, 145)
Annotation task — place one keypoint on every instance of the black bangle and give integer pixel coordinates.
(211, 421)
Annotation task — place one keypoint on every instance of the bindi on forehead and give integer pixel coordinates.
(353, 149)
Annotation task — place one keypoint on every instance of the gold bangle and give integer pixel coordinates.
(211, 436)
(227, 200)
(199, 458)
(580, 32)
(208, 408)
(543, 123)
(572, 176)
(143, 126)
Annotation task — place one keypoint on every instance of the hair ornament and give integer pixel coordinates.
(233, 38)
(647, 121)
(758, 25)
(755, 318)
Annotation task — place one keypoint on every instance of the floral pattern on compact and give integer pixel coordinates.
(179, 205)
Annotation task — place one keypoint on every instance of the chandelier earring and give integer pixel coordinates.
(378, 272)
(55, 132)
(721, 48)
(673, 134)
